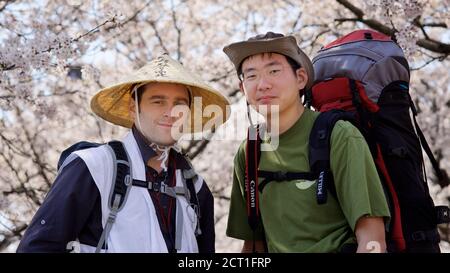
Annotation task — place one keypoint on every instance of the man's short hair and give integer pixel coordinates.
(292, 63)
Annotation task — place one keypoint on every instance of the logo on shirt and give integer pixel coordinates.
(305, 184)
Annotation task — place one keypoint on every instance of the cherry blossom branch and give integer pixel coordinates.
(178, 30)
(76, 39)
(6, 4)
(132, 17)
(440, 58)
(59, 45)
(158, 36)
(427, 43)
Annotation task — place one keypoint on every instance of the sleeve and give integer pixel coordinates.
(237, 226)
(358, 186)
(64, 211)
(206, 241)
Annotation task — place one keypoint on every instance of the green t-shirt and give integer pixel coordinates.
(292, 219)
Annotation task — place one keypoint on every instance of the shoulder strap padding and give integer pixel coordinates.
(122, 173)
(319, 150)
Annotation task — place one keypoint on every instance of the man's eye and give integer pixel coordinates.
(250, 77)
(156, 102)
(274, 71)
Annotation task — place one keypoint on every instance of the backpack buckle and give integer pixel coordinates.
(155, 186)
(128, 181)
(162, 188)
(443, 214)
(418, 236)
(399, 151)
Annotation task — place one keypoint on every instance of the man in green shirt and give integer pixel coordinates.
(274, 71)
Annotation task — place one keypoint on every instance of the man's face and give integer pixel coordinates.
(155, 109)
(268, 79)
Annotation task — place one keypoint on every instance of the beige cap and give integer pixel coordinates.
(270, 42)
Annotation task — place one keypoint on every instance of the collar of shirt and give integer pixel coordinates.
(147, 152)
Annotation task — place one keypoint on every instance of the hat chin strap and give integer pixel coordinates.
(163, 149)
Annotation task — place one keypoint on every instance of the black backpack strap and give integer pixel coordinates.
(442, 178)
(123, 179)
(307, 100)
(162, 188)
(319, 151)
(282, 176)
(365, 117)
(75, 147)
(120, 188)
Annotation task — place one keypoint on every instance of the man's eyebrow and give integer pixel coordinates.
(182, 99)
(272, 63)
(248, 70)
(266, 65)
(162, 97)
(155, 97)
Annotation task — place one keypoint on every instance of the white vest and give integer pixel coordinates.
(136, 228)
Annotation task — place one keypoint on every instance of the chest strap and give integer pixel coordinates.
(160, 187)
(281, 176)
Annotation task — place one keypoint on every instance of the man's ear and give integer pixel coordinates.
(132, 107)
(241, 87)
(302, 78)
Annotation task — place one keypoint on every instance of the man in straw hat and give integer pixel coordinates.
(286, 217)
(161, 204)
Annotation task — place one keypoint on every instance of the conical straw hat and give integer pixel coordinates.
(112, 103)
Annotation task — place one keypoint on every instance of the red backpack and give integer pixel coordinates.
(363, 78)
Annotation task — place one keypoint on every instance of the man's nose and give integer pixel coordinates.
(173, 111)
(167, 111)
(263, 84)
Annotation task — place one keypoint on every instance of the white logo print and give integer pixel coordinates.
(305, 184)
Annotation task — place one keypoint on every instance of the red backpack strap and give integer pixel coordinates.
(396, 230)
(252, 156)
